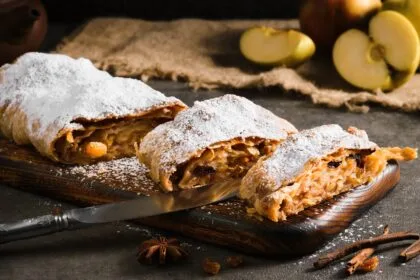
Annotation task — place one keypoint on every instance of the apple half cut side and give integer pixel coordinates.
(273, 47)
(408, 8)
(385, 59)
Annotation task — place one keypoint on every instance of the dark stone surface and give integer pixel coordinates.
(108, 251)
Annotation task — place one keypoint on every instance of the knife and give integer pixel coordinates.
(145, 206)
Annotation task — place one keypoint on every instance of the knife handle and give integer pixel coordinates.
(43, 225)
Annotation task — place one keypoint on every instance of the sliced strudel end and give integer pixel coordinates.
(314, 165)
(74, 113)
(215, 139)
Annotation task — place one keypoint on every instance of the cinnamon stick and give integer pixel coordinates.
(362, 244)
(410, 252)
(362, 256)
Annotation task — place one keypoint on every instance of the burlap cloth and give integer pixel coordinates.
(205, 53)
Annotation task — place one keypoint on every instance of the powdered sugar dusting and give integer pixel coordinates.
(361, 228)
(52, 90)
(235, 208)
(208, 122)
(125, 174)
(292, 154)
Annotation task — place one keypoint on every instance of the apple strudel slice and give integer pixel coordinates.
(215, 139)
(74, 113)
(312, 166)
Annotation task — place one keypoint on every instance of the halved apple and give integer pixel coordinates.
(272, 47)
(409, 8)
(385, 59)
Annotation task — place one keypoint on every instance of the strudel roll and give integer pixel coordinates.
(314, 165)
(213, 140)
(74, 113)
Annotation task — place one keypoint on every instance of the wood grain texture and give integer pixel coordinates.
(225, 223)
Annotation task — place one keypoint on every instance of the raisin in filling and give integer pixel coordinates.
(226, 160)
(327, 177)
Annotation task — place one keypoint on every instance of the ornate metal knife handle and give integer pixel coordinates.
(38, 226)
(143, 206)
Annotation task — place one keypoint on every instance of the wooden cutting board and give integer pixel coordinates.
(226, 223)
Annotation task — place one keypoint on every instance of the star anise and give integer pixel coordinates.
(160, 250)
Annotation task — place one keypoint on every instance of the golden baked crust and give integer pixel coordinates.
(349, 160)
(215, 139)
(72, 112)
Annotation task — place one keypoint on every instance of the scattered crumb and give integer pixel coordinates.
(210, 266)
(234, 261)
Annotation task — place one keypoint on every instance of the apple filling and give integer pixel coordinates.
(221, 161)
(325, 178)
(108, 139)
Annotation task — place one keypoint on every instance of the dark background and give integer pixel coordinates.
(66, 11)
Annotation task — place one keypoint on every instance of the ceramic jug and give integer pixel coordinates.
(23, 26)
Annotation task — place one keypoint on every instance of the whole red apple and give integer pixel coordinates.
(325, 20)
(23, 26)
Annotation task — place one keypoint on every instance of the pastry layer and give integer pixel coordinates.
(312, 166)
(107, 140)
(326, 178)
(213, 140)
(71, 112)
(221, 161)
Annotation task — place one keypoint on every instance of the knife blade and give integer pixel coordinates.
(144, 206)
